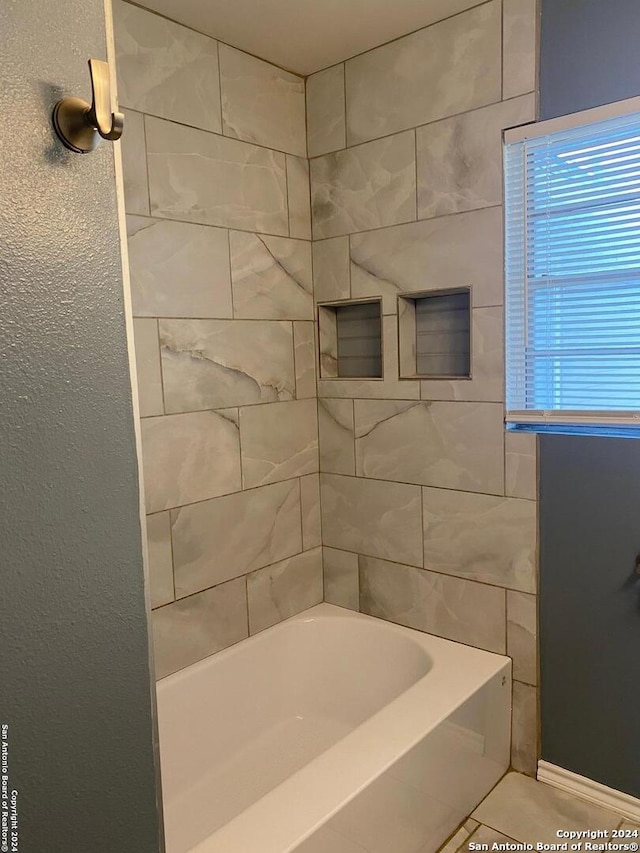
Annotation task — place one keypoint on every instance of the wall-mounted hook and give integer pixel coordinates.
(82, 126)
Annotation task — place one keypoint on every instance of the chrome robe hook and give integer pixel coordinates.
(82, 126)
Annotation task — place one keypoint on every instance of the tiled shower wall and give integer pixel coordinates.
(428, 507)
(217, 198)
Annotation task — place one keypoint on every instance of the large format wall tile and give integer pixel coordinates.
(284, 589)
(341, 583)
(210, 364)
(279, 441)
(305, 359)
(372, 517)
(481, 537)
(521, 464)
(520, 46)
(271, 277)
(524, 729)
(366, 187)
(451, 251)
(331, 274)
(160, 559)
(226, 537)
(522, 635)
(134, 164)
(450, 445)
(166, 69)
(326, 130)
(299, 197)
(487, 363)
(198, 626)
(200, 177)
(262, 103)
(460, 159)
(310, 505)
(459, 610)
(336, 436)
(147, 347)
(178, 269)
(438, 71)
(189, 458)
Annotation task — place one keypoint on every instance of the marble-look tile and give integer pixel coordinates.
(533, 812)
(390, 388)
(262, 103)
(524, 729)
(147, 347)
(521, 464)
(328, 342)
(331, 274)
(134, 164)
(481, 537)
(628, 825)
(305, 359)
(310, 505)
(451, 251)
(460, 159)
(271, 277)
(160, 559)
(441, 70)
(370, 186)
(522, 634)
(189, 458)
(372, 517)
(486, 835)
(487, 363)
(449, 445)
(209, 364)
(279, 441)
(326, 128)
(200, 177)
(336, 434)
(520, 47)
(299, 197)
(178, 269)
(341, 582)
(460, 610)
(166, 69)
(280, 591)
(326, 840)
(223, 538)
(198, 626)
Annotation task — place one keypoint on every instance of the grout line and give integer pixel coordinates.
(447, 117)
(146, 160)
(286, 193)
(220, 87)
(429, 571)
(236, 578)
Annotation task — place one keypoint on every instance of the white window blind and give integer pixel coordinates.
(572, 208)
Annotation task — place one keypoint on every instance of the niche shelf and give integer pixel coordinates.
(350, 336)
(434, 329)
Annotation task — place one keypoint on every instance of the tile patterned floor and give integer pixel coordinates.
(521, 809)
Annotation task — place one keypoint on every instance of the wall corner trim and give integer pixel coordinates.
(587, 789)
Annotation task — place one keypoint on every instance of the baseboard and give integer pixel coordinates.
(587, 789)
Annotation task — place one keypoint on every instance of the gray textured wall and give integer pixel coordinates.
(590, 606)
(589, 54)
(590, 486)
(74, 679)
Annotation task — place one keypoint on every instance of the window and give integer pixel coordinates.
(572, 208)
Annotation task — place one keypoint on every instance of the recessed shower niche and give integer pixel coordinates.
(434, 330)
(350, 336)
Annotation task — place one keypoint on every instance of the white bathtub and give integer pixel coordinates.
(331, 732)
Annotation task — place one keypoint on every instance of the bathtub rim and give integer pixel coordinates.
(354, 762)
